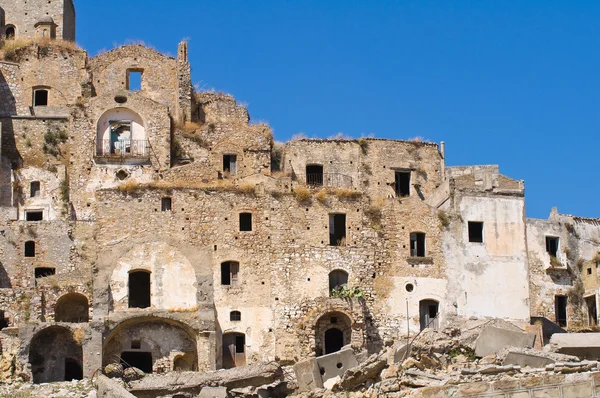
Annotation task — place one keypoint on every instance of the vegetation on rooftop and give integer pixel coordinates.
(9, 48)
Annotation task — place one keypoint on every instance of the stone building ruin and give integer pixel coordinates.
(146, 223)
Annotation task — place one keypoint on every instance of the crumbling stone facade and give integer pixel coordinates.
(158, 227)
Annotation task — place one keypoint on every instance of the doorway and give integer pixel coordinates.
(73, 370)
(334, 340)
(560, 309)
(140, 360)
(428, 314)
(590, 303)
(234, 350)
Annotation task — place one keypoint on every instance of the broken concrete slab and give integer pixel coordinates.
(583, 345)
(335, 364)
(524, 360)
(108, 388)
(362, 373)
(401, 353)
(307, 375)
(213, 392)
(493, 339)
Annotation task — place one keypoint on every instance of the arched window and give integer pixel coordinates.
(30, 248)
(417, 244)
(337, 279)
(40, 97)
(72, 308)
(139, 289)
(10, 32)
(121, 133)
(235, 316)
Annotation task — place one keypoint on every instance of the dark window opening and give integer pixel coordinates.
(136, 344)
(240, 344)
(136, 359)
(476, 231)
(589, 271)
(43, 272)
(552, 246)
(73, 370)
(72, 308)
(314, 174)
(402, 183)
(134, 80)
(34, 215)
(337, 279)
(229, 273)
(139, 289)
(337, 229)
(30, 248)
(428, 314)
(245, 222)
(40, 97)
(560, 308)
(10, 33)
(592, 311)
(234, 350)
(334, 340)
(230, 164)
(165, 204)
(3, 320)
(235, 316)
(34, 189)
(417, 244)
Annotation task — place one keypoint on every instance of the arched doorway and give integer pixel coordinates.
(234, 350)
(54, 355)
(428, 314)
(332, 332)
(121, 132)
(73, 308)
(142, 342)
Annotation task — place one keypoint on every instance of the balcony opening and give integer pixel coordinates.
(230, 164)
(34, 189)
(30, 248)
(560, 309)
(428, 314)
(417, 244)
(245, 222)
(40, 97)
(139, 289)
(314, 174)
(337, 229)
(234, 350)
(337, 280)
(136, 359)
(230, 272)
(552, 246)
(475, 231)
(34, 215)
(121, 134)
(402, 183)
(134, 79)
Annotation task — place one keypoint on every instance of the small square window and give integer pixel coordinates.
(245, 222)
(134, 80)
(40, 97)
(34, 189)
(235, 316)
(136, 344)
(34, 215)
(165, 204)
(30, 248)
(476, 231)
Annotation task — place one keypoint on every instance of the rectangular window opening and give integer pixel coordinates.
(337, 229)
(402, 183)
(240, 343)
(43, 272)
(165, 204)
(230, 164)
(476, 231)
(314, 175)
(229, 273)
(560, 304)
(134, 80)
(552, 245)
(417, 244)
(30, 249)
(37, 215)
(40, 98)
(246, 222)
(34, 189)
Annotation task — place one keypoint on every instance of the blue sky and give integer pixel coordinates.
(514, 83)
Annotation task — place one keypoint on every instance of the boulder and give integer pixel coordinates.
(113, 370)
(133, 374)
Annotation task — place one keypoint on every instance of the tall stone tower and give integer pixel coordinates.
(37, 18)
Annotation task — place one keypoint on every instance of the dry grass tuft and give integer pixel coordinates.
(347, 194)
(11, 47)
(321, 196)
(303, 195)
(247, 188)
(130, 186)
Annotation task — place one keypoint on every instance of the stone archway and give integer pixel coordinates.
(332, 331)
(54, 356)
(73, 308)
(152, 343)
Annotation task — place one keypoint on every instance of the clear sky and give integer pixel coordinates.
(514, 83)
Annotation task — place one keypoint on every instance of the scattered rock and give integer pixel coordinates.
(133, 374)
(114, 370)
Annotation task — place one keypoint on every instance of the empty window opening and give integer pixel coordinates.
(73, 370)
(139, 289)
(337, 229)
(235, 316)
(337, 280)
(34, 189)
(136, 344)
(230, 164)
(476, 231)
(136, 359)
(72, 308)
(234, 350)
(334, 340)
(560, 308)
(30, 248)
(552, 245)
(10, 32)
(589, 271)
(417, 244)
(3, 320)
(134, 80)
(40, 97)
(43, 272)
(229, 273)
(165, 204)
(402, 183)
(314, 174)
(245, 222)
(428, 314)
(590, 303)
(37, 215)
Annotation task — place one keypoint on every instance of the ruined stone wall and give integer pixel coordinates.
(13, 101)
(159, 73)
(24, 14)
